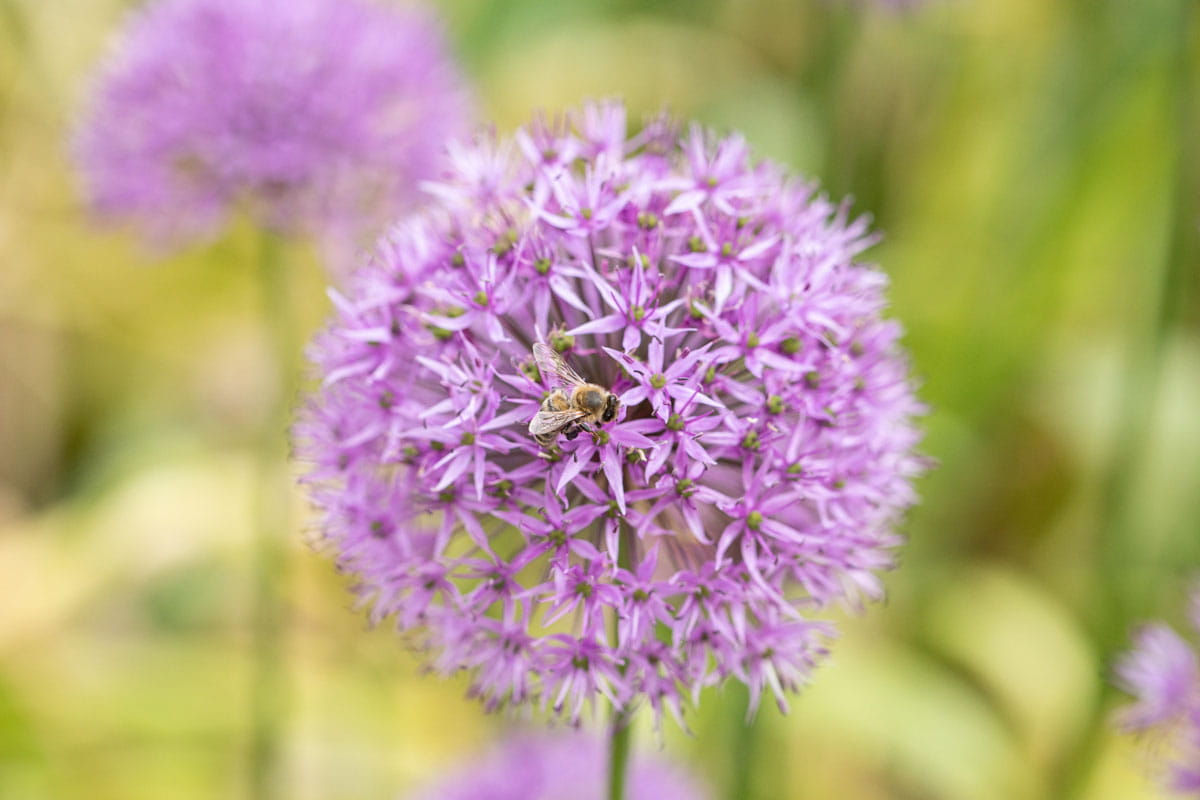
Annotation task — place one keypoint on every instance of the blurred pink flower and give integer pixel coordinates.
(316, 116)
(1163, 674)
(569, 764)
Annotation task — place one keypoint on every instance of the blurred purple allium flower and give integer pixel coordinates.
(568, 765)
(889, 5)
(761, 457)
(1163, 673)
(317, 116)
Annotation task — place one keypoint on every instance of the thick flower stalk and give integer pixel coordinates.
(1163, 673)
(317, 116)
(570, 764)
(753, 474)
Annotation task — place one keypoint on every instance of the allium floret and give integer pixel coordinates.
(1163, 673)
(761, 458)
(570, 764)
(316, 116)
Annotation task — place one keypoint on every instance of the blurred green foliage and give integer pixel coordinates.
(1034, 165)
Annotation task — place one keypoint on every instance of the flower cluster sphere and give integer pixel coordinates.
(754, 473)
(568, 765)
(1163, 673)
(312, 114)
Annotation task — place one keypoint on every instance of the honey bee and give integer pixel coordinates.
(573, 406)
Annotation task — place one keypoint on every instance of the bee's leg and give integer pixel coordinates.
(570, 433)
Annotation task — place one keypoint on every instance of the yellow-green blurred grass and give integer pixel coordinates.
(125, 650)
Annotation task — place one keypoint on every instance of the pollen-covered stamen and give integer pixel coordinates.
(636, 311)
(583, 590)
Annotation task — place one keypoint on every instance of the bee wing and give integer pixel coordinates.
(550, 362)
(547, 422)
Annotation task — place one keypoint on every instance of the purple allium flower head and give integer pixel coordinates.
(1163, 673)
(318, 116)
(568, 765)
(761, 456)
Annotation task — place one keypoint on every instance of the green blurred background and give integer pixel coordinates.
(1033, 164)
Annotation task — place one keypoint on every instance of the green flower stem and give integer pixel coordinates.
(618, 754)
(14, 24)
(744, 743)
(268, 673)
(826, 75)
(620, 732)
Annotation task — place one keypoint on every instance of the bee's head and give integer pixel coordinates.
(611, 405)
